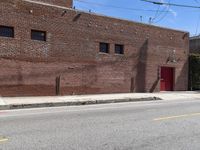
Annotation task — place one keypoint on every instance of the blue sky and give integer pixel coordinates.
(186, 19)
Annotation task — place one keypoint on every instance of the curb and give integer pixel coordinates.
(75, 103)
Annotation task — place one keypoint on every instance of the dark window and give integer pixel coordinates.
(38, 35)
(119, 49)
(104, 47)
(6, 31)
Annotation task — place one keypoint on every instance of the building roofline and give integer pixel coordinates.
(195, 37)
(131, 21)
(101, 15)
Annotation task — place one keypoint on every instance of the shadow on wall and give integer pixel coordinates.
(140, 79)
(156, 82)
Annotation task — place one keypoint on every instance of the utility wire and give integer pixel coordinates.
(156, 14)
(165, 14)
(112, 6)
(171, 4)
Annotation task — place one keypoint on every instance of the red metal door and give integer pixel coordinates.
(167, 79)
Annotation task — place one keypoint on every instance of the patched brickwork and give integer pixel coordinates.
(30, 67)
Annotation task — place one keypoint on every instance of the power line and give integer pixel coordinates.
(171, 4)
(164, 14)
(113, 6)
(157, 15)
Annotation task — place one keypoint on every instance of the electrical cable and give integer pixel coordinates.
(168, 10)
(156, 14)
(171, 4)
(112, 6)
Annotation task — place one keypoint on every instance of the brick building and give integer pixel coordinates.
(195, 44)
(47, 48)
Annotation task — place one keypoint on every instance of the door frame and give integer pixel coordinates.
(174, 72)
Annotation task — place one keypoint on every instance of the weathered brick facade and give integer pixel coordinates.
(29, 67)
(64, 3)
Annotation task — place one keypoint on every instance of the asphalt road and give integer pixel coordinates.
(163, 125)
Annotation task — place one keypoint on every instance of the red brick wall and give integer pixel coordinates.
(65, 3)
(71, 51)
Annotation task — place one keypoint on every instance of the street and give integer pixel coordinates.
(163, 125)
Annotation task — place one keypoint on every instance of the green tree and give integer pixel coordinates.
(194, 72)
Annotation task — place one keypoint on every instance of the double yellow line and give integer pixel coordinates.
(175, 117)
(3, 139)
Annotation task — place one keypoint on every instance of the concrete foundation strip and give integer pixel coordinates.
(73, 103)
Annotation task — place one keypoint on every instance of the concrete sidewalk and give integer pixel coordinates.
(53, 101)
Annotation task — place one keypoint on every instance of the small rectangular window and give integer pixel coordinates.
(6, 31)
(119, 49)
(38, 35)
(104, 47)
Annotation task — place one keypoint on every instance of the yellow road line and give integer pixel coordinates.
(179, 116)
(3, 140)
